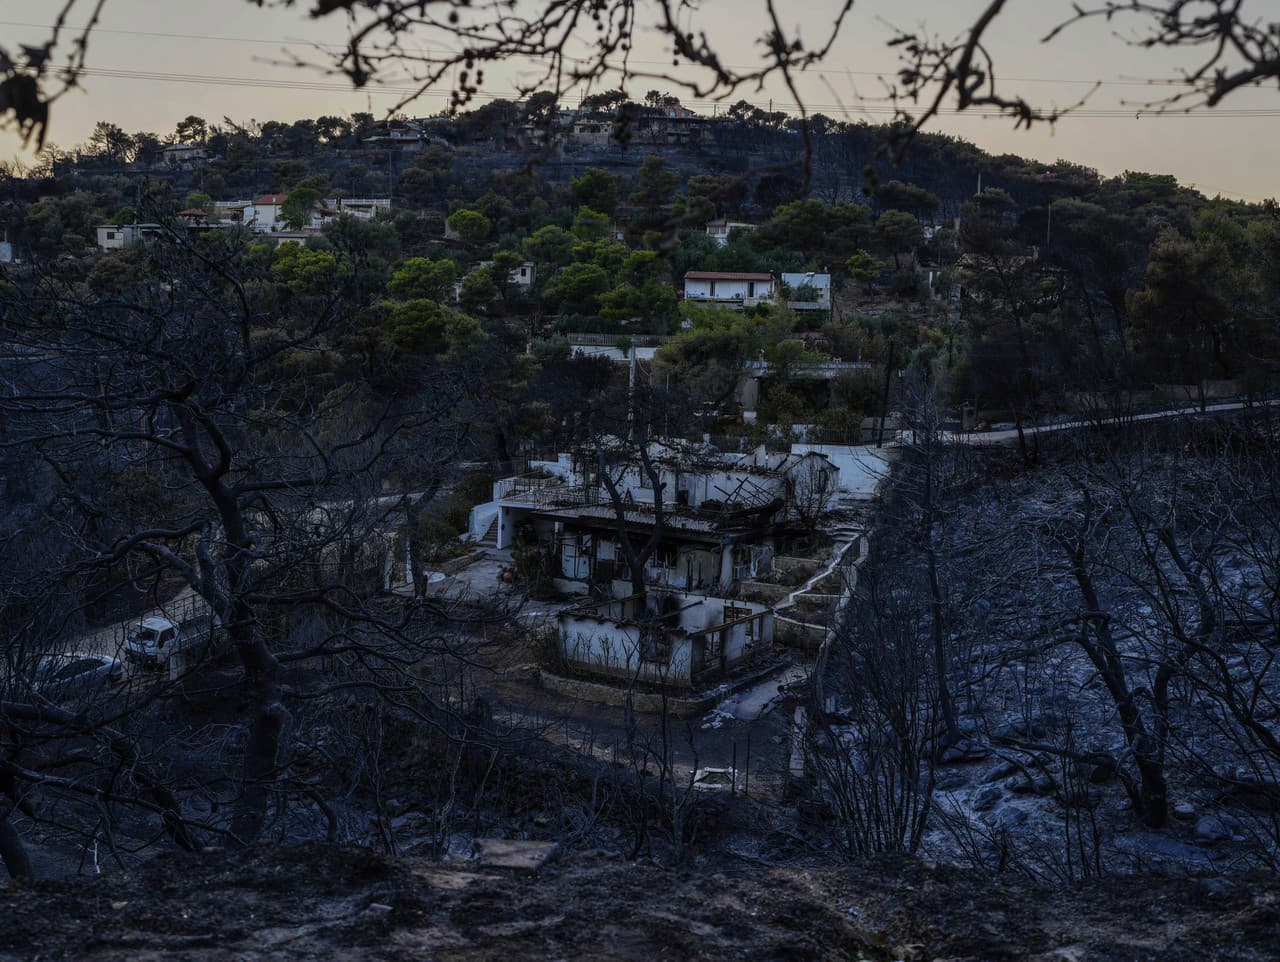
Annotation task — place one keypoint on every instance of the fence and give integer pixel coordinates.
(546, 492)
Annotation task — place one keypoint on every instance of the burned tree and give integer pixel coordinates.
(226, 424)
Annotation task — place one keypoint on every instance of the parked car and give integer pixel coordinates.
(155, 640)
(61, 677)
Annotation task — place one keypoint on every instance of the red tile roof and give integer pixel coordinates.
(270, 199)
(193, 212)
(726, 276)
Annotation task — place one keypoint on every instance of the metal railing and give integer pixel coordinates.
(613, 340)
(547, 492)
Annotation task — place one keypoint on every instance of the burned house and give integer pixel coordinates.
(721, 517)
(668, 638)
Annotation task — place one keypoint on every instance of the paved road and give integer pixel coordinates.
(1000, 437)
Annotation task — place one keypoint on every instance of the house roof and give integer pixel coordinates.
(193, 212)
(725, 276)
(270, 199)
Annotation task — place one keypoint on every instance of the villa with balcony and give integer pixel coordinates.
(722, 516)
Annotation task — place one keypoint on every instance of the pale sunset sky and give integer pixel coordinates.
(153, 62)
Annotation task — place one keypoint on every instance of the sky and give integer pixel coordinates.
(153, 62)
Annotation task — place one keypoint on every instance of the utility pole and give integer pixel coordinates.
(884, 402)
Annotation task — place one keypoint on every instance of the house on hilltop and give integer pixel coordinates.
(721, 230)
(722, 518)
(184, 155)
(728, 288)
(807, 292)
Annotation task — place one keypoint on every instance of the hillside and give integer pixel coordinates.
(315, 902)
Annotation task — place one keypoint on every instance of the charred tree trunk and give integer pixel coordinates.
(13, 852)
(1151, 797)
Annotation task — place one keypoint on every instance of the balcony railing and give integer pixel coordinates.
(613, 340)
(546, 492)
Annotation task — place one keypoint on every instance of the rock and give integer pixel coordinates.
(1151, 846)
(963, 751)
(1185, 811)
(1006, 818)
(1035, 785)
(986, 798)
(951, 781)
(1252, 788)
(1214, 828)
(1003, 770)
(513, 854)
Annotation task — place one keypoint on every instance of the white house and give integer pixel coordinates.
(820, 284)
(180, 155)
(235, 211)
(723, 514)
(366, 208)
(721, 230)
(406, 135)
(267, 214)
(114, 237)
(524, 275)
(729, 289)
(668, 638)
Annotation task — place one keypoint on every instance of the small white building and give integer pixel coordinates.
(819, 287)
(235, 211)
(114, 237)
(524, 275)
(366, 208)
(729, 289)
(183, 155)
(722, 229)
(406, 135)
(267, 215)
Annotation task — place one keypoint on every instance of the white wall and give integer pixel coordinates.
(862, 466)
(612, 648)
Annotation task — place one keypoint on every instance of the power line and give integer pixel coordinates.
(818, 71)
(863, 105)
(179, 36)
